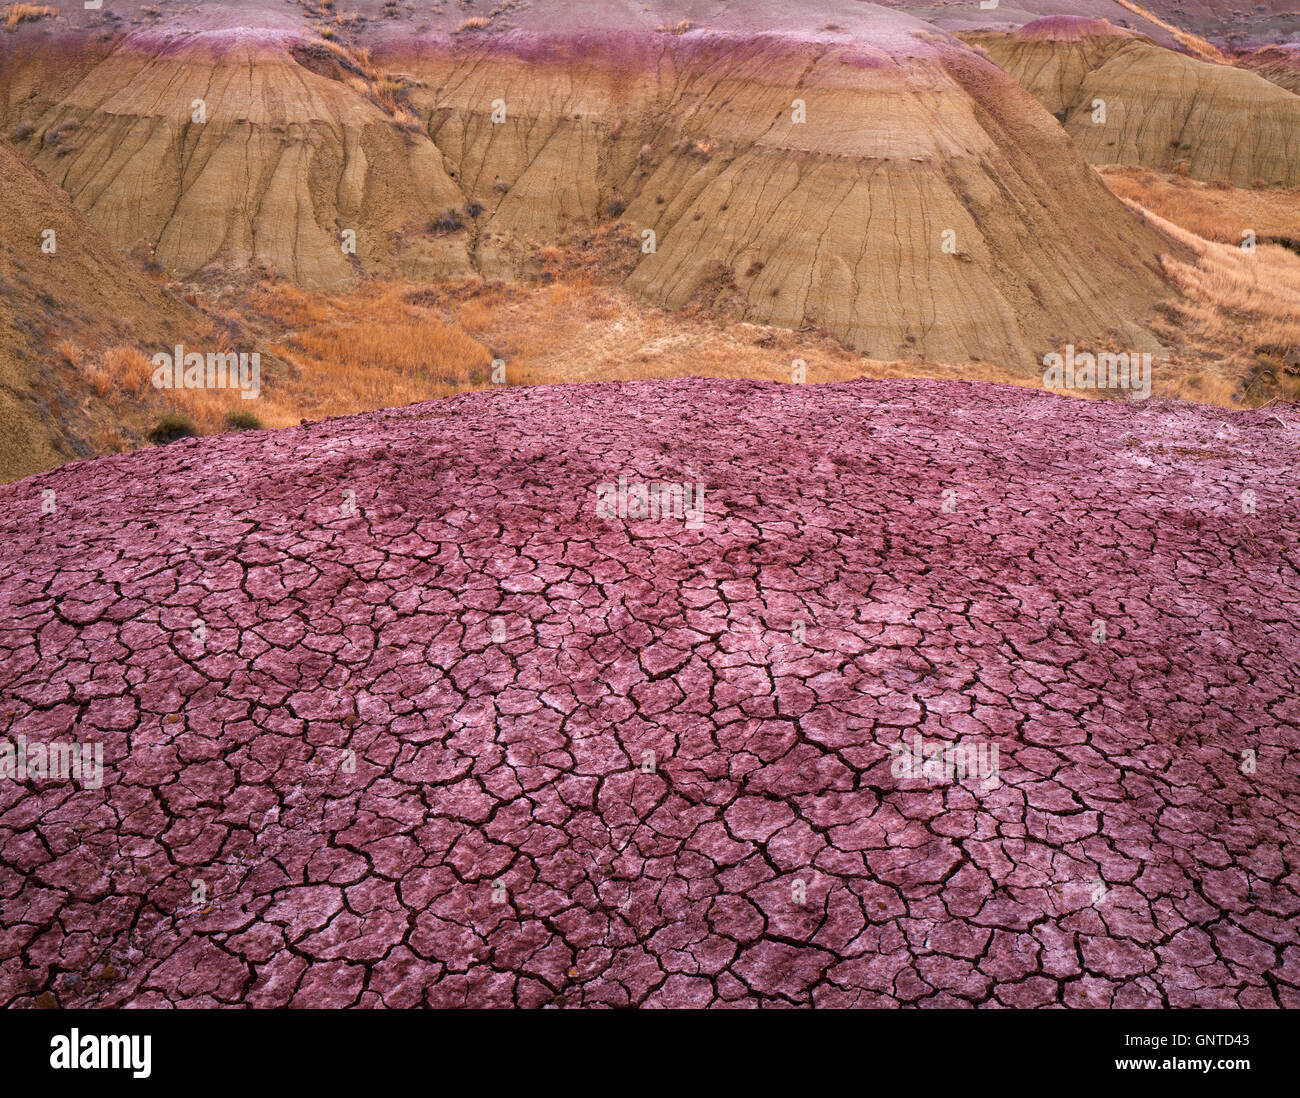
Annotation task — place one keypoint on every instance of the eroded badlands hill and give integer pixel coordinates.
(60, 279)
(1221, 21)
(447, 735)
(870, 176)
(1162, 109)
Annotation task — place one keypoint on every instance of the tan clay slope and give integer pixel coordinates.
(1162, 109)
(283, 162)
(910, 141)
(84, 290)
(838, 221)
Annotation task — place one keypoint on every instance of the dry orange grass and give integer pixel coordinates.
(583, 331)
(358, 352)
(1216, 211)
(122, 377)
(26, 13)
(385, 344)
(389, 344)
(1193, 43)
(1235, 327)
(127, 370)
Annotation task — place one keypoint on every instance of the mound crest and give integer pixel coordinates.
(1069, 28)
(1280, 64)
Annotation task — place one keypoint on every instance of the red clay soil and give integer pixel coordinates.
(406, 759)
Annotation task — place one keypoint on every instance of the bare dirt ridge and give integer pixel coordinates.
(501, 839)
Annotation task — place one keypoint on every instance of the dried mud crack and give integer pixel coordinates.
(392, 716)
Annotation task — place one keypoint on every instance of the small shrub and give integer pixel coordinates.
(171, 427)
(71, 353)
(240, 420)
(56, 135)
(615, 207)
(446, 224)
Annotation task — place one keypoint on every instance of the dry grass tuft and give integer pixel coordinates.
(1216, 211)
(15, 14)
(1192, 43)
(377, 351)
(1236, 324)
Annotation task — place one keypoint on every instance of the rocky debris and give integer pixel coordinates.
(392, 714)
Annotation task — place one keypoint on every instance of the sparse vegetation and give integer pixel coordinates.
(240, 420)
(444, 224)
(172, 427)
(376, 348)
(1215, 210)
(15, 14)
(1237, 309)
(56, 136)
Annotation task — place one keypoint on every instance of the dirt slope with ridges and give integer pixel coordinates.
(1280, 64)
(285, 161)
(837, 222)
(496, 659)
(83, 290)
(1162, 108)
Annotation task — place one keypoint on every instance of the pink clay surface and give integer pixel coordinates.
(767, 854)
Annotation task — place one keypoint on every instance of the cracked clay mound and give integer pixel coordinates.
(407, 757)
